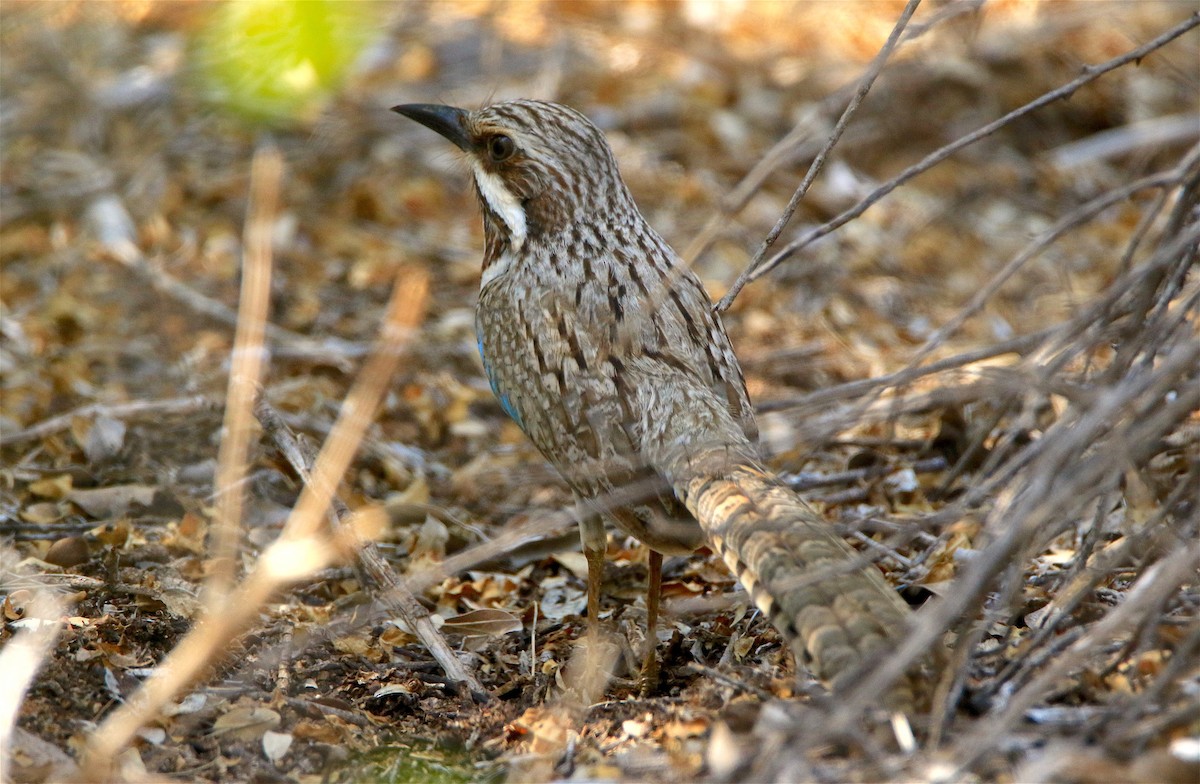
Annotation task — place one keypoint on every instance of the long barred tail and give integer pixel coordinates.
(801, 575)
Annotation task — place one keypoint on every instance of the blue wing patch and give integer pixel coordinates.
(505, 402)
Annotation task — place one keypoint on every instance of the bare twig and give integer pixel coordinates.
(24, 654)
(1090, 74)
(806, 481)
(1155, 584)
(394, 593)
(135, 410)
(245, 373)
(1183, 659)
(1089, 572)
(1058, 479)
(296, 454)
(864, 86)
(416, 458)
(509, 539)
(1071, 220)
(866, 386)
(1155, 132)
(799, 142)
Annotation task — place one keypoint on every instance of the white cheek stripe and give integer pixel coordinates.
(503, 203)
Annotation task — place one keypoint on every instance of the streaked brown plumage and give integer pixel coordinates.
(604, 347)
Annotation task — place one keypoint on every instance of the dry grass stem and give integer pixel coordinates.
(40, 623)
(247, 368)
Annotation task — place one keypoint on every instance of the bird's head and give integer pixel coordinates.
(538, 166)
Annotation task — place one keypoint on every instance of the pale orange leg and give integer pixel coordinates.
(649, 678)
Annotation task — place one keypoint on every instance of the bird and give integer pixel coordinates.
(604, 347)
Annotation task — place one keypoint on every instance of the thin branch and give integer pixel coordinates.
(809, 481)
(1049, 493)
(866, 386)
(134, 410)
(1152, 588)
(1156, 132)
(864, 86)
(247, 366)
(393, 593)
(25, 651)
(1090, 74)
(1071, 220)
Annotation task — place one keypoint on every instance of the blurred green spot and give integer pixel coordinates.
(276, 60)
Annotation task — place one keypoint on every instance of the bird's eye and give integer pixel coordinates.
(501, 148)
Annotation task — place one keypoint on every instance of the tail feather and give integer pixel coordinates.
(833, 610)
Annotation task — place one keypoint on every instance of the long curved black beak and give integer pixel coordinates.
(449, 121)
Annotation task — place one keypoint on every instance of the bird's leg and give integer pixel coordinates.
(649, 677)
(588, 673)
(595, 546)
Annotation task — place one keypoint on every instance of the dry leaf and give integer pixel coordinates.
(186, 535)
(485, 622)
(390, 689)
(743, 646)
(637, 728)
(369, 523)
(320, 731)
(430, 547)
(560, 600)
(575, 562)
(246, 723)
(102, 440)
(682, 728)
(542, 729)
(16, 604)
(114, 534)
(55, 488)
(67, 552)
(42, 513)
(276, 744)
(111, 501)
(357, 644)
(192, 703)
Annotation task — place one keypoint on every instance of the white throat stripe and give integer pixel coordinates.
(503, 203)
